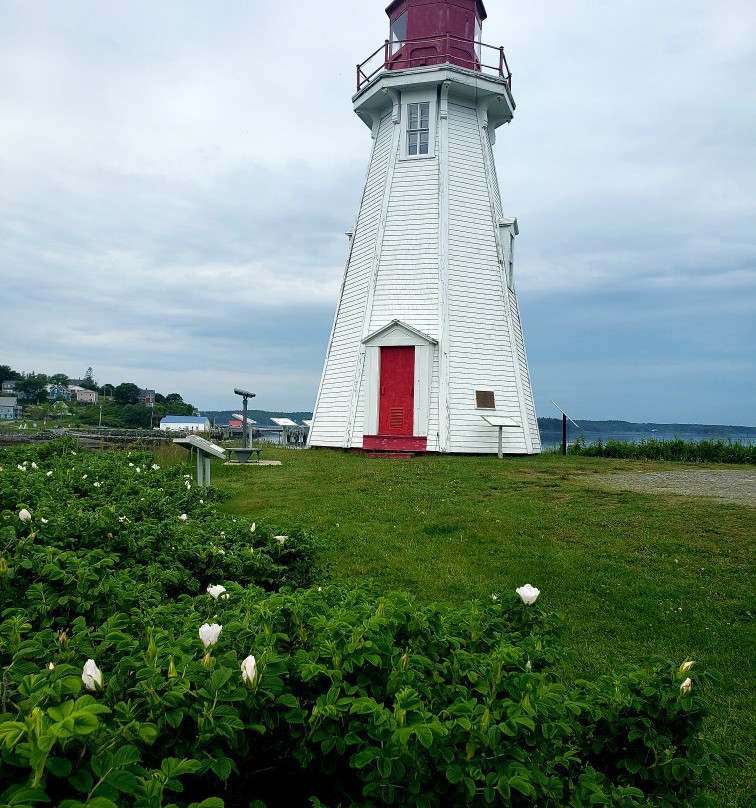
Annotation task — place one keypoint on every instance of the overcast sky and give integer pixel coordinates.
(176, 177)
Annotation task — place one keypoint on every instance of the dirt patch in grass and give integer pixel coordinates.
(731, 485)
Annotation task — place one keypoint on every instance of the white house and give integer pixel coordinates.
(185, 423)
(427, 338)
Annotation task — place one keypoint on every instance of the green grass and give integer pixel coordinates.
(633, 574)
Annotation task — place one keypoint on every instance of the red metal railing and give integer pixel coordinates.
(470, 56)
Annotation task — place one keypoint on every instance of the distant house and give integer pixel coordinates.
(185, 423)
(9, 409)
(82, 395)
(8, 386)
(146, 397)
(55, 391)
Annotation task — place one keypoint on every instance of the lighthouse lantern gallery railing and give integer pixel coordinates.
(434, 50)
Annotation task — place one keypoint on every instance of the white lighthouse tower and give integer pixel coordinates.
(426, 351)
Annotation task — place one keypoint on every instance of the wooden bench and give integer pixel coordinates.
(243, 455)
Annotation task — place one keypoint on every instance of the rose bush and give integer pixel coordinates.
(125, 684)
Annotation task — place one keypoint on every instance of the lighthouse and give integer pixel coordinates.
(427, 353)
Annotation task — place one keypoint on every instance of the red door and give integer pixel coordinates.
(396, 402)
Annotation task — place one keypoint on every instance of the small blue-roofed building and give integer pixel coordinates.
(185, 423)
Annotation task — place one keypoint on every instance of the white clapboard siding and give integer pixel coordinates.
(334, 396)
(426, 254)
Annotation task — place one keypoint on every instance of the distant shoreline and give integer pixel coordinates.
(551, 428)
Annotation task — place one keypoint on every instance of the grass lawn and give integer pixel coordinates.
(633, 574)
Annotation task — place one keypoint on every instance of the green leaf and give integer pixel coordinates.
(100, 802)
(425, 736)
(22, 795)
(123, 781)
(215, 802)
(222, 766)
(60, 767)
(364, 706)
(11, 732)
(125, 756)
(288, 700)
(82, 781)
(173, 767)
(522, 785)
(361, 759)
(147, 732)
(220, 677)
(455, 774)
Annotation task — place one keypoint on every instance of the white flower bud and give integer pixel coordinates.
(24, 515)
(528, 594)
(91, 676)
(686, 687)
(209, 634)
(183, 517)
(249, 671)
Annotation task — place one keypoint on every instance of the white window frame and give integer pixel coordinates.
(418, 97)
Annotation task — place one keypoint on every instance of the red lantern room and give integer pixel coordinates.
(431, 32)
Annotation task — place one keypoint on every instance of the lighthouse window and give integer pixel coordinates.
(418, 128)
(398, 32)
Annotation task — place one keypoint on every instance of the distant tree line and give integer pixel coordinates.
(119, 404)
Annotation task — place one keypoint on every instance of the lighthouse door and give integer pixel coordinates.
(396, 401)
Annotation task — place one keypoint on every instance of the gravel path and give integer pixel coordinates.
(731, 485)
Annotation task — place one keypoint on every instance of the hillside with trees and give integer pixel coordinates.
(118, 405)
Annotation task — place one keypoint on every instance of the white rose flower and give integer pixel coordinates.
(217, 591)
(91, 676)
(249, 671)
(44, 521)
(209, 634)
(183, 517)
(21, 468)
(49, 474)
(280, 539)
(528, 594)
(34, 465)
(154, 467)
(24, 515)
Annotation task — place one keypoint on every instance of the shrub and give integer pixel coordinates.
(126, 683)
(704, 451)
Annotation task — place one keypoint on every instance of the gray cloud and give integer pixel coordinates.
(176, 179)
